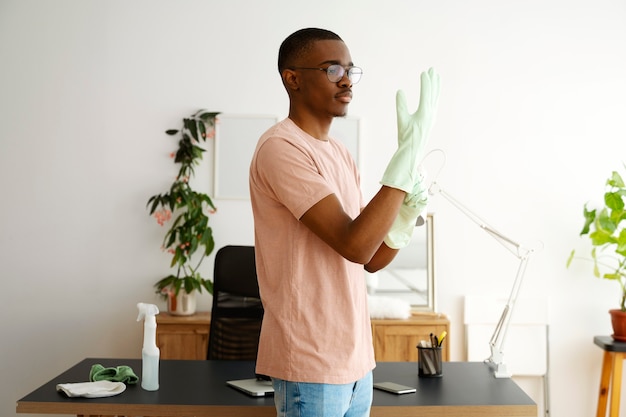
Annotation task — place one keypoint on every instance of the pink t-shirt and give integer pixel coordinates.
(316, 326)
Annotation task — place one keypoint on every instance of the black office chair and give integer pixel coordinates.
(237, 311)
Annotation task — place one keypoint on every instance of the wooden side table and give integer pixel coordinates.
(395, 340)
(611, 379)
(183, 337)
(187, 337)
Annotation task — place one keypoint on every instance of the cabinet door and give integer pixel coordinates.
(398, 342)
(183, 341)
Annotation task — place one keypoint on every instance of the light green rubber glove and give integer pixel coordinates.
(414, 204)
(413, 130)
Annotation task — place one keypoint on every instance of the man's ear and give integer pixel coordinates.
(290, 79)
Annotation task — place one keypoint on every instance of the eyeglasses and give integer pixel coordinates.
(336, 72)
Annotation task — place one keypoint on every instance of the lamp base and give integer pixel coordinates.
(501, 371)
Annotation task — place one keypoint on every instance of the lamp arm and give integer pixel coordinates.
(512, 246)
(496, 343)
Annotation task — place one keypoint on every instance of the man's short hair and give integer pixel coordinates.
(300, 42)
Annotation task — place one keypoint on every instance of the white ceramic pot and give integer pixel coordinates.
(182, 304)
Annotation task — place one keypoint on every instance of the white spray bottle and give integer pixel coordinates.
(150, 352)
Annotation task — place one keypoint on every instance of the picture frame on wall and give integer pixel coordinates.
(236, 137)
(347, 130)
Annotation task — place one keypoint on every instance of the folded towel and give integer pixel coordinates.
(121, 373)
(382, 307)
(96, 389)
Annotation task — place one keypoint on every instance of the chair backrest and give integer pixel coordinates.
(526, 344)
(237, 311)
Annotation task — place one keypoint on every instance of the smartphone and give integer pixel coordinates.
(394, 388)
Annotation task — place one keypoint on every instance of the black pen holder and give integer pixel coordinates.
(429, 361)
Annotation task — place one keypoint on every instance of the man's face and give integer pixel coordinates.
(321, 96)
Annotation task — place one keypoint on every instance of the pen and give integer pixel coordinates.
(441, 337)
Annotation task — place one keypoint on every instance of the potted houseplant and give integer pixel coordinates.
(605, 227)
(189, 238)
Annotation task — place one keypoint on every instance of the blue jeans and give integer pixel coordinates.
(303, 399)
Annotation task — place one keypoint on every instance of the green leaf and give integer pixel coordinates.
(177, 284)
(614, 200)
(621, 243)
(198, 113)
(202, 128)
(604, 222)
(208, 116)
(189, 287)
(590, 216)
(193, 244)
(165, 282)
(209, 244)
(171, 132)
(208, 201)
(616, 180)
(596, 269)
(611, 276)
(192, 128)
(600, 237)
(155, 203)
(175, 258)
(172, 237)
(208, 285)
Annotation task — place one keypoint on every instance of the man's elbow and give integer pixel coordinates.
(383, 257)
(372, 268)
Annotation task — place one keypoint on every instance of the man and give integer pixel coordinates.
(314, 235)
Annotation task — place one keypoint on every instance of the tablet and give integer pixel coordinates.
(394, 388)
(252, 386)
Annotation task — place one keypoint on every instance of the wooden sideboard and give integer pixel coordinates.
(183, 337)
(396, 340)
(187, 337)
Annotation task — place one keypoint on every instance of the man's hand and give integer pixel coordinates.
(413, 205)
(413, 131)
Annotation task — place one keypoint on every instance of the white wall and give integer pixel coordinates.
(531, 119)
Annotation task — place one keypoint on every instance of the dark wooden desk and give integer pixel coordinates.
(197, 388)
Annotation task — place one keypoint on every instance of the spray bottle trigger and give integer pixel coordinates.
(146, 310)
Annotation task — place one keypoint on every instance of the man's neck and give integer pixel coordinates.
(317, 128)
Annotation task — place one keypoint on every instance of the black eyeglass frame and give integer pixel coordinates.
(344, 71)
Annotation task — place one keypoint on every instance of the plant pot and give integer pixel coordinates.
(618, 320)
(183, 304)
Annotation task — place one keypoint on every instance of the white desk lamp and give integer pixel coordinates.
(497, 340)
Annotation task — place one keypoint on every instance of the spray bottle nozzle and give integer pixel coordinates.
(146, 310)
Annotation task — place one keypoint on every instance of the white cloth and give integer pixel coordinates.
(95, 389)
(388, 307)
